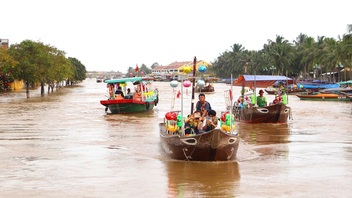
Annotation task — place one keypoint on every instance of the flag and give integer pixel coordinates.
(178, 94)
(136, 69)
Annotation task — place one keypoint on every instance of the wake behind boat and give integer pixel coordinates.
(143, 98)
(274, 113)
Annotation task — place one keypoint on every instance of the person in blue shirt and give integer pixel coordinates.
(203, 106)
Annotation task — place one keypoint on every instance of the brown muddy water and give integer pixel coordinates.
(65, 145)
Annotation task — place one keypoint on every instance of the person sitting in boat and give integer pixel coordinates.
(203, 106)
(212, 121)
(261, 99)
(119, 92)
(111, 90)
(193, 123)
(239, 103)
(247, 102)
(276, 100)
(129, 95)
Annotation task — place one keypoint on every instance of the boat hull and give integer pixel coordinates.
(205, 89)
(127, 106)
(324, 97)
(277, 113)
(215, 145)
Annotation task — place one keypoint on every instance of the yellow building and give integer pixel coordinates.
(17, 85)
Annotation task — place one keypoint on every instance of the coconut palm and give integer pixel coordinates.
(281, 53)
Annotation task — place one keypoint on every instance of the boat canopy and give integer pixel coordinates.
(134, 79)
(260, 81)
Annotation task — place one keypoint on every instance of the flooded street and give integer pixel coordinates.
(66, 145)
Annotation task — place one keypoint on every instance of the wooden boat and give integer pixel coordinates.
(215, 145)
(324, 97)
(209, 85)
(277, 113)
(219, 144)
(143, 99)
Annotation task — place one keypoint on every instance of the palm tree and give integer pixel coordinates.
(304, 46)
(349, 28)
(281, 53)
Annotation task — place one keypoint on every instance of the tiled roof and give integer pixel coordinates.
(176, 65)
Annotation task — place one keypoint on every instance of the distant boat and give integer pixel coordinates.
(143, 99)
(318, 96)
(315, 84)
(209, 85)
(331, 94)
(274, 91)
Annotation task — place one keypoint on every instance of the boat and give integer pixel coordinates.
(338, 90)
(289, 90)
(318, 96)
(208, 87)
(218, 144)
(215, 145)
(274, 113)
(144, 98)
(316, 84)
(325, 97)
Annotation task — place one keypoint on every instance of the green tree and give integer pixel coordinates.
(79, 68)
(26, 53)
(7, 63)
(281, 53)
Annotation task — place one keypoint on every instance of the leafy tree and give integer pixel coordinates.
(7, 63)
(154, 65)
(26, 53)
(79, 68)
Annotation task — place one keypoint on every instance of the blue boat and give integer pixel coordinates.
(315, 84)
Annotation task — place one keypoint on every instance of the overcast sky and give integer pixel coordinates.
(113, 35)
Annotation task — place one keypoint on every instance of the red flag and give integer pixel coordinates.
(178, 94)
(137, 69)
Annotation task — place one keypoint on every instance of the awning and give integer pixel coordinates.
(260, 81)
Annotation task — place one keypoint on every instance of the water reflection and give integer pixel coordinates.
(200, 179)
(269, 140)
(264, 133)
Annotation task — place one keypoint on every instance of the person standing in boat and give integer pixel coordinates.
(261, 99)
(203, 106)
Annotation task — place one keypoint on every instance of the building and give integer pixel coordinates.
(173, 70)
(4, 43)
